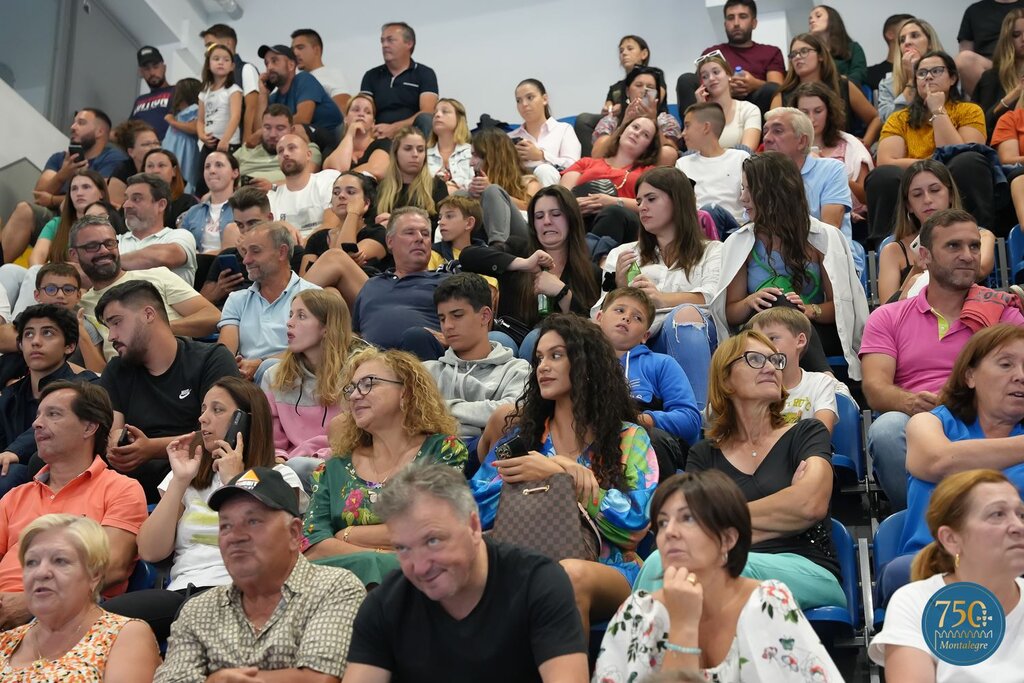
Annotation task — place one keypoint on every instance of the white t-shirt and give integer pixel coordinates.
(816, 391)
(127, 243)
(250, 79)
(304, 208)
(332, 79)
(211, 231)
(217, 110)
(746, 116)
(718, 179)
(197, 558)
(903, 627)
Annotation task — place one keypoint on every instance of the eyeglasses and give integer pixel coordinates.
(801, 53)
(756, 359)
(51, 290)
(934, 72)
(365, 385)
(711, 55)
(93, 247)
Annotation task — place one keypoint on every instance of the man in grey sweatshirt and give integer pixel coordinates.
(475, 375)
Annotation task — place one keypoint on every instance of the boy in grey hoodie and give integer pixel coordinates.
(475, 375)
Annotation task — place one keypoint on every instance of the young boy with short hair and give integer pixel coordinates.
(715, 172)
(458, 217)
(811, 394)
(656, 381)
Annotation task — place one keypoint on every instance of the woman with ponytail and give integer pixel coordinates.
(977, 520)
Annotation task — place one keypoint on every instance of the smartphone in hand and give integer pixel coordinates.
(239, 425)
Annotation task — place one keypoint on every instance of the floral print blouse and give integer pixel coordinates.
(774, 642)
(341, 498)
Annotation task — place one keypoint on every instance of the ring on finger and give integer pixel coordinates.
(692, 578)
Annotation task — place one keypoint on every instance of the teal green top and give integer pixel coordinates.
(49, 230)
(342, 498)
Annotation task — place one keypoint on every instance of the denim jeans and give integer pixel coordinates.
(691, 344)
(887, 443)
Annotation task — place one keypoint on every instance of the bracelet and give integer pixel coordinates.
(561, 294)
(941, 112)
(344, 534)
(682, 650)
(620, 202)
(1003, 104)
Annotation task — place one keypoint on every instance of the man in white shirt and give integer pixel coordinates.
(715, 172)
(150, 244)
(304, 200)
(309, 54)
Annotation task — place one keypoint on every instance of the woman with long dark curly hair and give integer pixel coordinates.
(784, 257)
(577, 417)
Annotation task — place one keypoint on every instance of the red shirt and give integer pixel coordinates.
(624, 179)
(757, 60)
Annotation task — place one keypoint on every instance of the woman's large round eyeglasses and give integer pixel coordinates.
(366, 384)
(756, 359)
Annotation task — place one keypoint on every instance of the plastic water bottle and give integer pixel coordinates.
(634, 270)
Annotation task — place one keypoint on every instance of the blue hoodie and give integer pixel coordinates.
(656, 380)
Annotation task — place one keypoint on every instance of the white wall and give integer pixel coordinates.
(481, 50)
(27, 133)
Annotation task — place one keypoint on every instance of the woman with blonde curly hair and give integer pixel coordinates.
(304, 389)
(396, 417)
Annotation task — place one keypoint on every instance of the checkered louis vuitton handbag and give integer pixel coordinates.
(545, 517)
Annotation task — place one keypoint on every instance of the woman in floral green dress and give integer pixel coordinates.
(706, 617)
(395, 418)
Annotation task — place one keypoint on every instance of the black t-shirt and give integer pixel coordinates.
(526, 616)
(382, 144)
(981, 24)
(615, 92)
(876, 72)
(805, 439)
(168, 404)
(317, 242)
(176, 207)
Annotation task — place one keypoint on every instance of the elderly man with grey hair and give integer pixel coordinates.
(395, 309)
(253, 324)
(463, 608)
(789, 131)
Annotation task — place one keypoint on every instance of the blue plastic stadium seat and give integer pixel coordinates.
(848, 460)
(886, 546)
(143, 577)
(841, 621)
(1015, 251)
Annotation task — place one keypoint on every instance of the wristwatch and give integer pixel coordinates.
(817, 311)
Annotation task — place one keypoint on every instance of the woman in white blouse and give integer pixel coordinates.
(448, 149)
(742, 119)
(977, 519)
(678, 267)
(707, 617)
(545, 146)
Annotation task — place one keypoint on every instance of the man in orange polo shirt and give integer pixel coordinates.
(72, 426)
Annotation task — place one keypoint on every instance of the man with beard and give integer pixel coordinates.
(909, 347)
(253, 324)
(260, 163)
(150, 243)
(153, 107)
(761, 66)
(93, 246)
(283, 83)
(157, 383)
(304, 200)
(90, 131)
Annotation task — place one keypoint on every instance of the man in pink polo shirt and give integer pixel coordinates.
(909, 347)
(71, 427)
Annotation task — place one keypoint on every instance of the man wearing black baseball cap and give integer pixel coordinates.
(153, 106)
(309, 103)
(280, 613)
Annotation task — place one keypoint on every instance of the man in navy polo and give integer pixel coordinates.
(153, 106)
(283, 83)
(403, 91)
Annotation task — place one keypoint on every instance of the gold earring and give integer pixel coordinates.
(956, 561)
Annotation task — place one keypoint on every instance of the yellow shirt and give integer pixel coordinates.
(921, 141)
(436, 261)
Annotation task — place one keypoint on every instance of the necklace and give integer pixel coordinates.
(374, 492)
(75, 633)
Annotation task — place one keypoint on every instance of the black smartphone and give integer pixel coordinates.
(350, 247)
(125, 438)
(516, 141)
(239, 425)
(245, 180)
(229, 262)
(76, 150)
(513, 448)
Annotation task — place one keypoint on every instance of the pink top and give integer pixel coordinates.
(908, 331)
